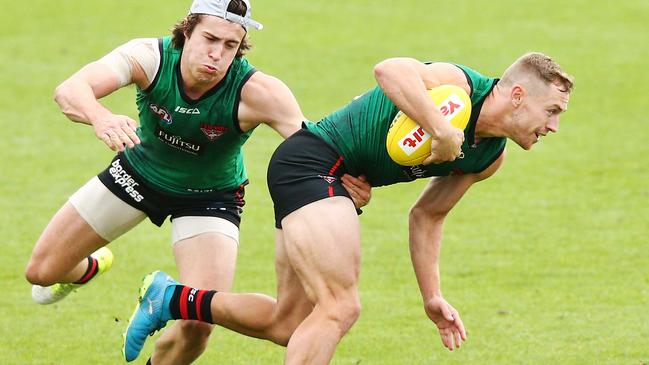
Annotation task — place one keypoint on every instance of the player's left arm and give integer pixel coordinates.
(426, 221)
(267, 100)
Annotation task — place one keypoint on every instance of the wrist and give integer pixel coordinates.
(433, 295)
(97, 116)
(442, 131)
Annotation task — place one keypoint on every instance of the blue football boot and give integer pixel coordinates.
(151, 313)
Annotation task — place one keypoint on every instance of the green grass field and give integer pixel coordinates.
(548, 262)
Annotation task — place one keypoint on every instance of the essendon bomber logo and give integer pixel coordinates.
(213, 131)
(161, 112)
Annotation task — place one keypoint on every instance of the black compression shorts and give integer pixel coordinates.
(122, 181)
(303, 169)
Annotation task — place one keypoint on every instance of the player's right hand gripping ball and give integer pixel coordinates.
(408, 144)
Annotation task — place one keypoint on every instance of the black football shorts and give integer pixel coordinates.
(303, 169)
(122, 181)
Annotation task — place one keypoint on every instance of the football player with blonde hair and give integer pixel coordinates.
(318, 234)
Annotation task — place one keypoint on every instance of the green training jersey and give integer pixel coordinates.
(359, 130)
(190, 145)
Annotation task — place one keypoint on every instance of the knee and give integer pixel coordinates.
(36, 273)
(193, 334)
(195, 331)
(43, 268)
(282, 334)
(340, 315)
(344, 313)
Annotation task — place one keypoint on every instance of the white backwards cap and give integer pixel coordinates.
(220, 8)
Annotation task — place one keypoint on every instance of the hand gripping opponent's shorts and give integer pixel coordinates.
(303, 169)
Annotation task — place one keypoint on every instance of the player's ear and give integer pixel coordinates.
(517, 93)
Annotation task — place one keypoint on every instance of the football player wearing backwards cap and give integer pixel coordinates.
(198, 100)
(318, 235)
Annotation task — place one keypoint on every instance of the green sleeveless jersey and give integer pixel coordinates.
(359, 130)
(190, 146)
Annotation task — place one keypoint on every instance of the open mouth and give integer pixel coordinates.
(539, 135)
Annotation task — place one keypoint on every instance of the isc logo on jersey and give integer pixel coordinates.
(182, 110)
(417, 136)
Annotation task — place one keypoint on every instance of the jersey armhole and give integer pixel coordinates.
(491, 161)
(468, 79)
(237, 100)
(159, 71)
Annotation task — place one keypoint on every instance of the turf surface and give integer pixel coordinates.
(547, 261)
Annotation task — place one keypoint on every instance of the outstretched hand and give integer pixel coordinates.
(448, 321)
(358, 188)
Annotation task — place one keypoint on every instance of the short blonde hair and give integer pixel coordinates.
(540, 67)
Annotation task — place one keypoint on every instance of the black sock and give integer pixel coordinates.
(91, 271)
(191, 303)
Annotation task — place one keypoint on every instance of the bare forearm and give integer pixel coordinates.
(425, 242)
(77, 101)
(401, 81)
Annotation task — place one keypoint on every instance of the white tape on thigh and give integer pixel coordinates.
(187, 227)
(107, 214)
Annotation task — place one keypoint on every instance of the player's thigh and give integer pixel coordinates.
(66, 240)
(107, 214)
(207, 260)
(322, 240)
(91, 218)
